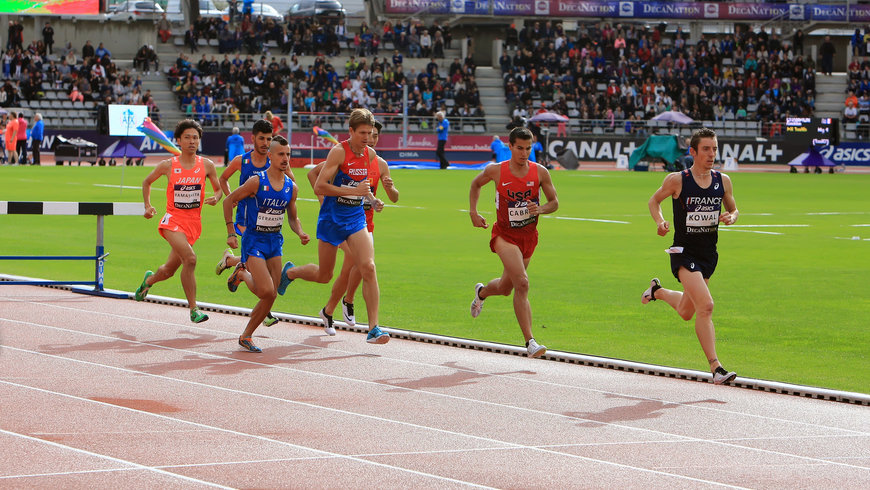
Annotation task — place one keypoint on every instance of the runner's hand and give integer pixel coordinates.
(150, 212)
(478, 221)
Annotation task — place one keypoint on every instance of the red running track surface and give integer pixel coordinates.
(100, 393)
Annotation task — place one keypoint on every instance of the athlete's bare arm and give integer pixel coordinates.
(211, 173)
(293, 218)
(323, 187)
(490, 173)
(160, 170)
(387, 180)
(671, 187)
(234, 166)
(730, 216)
(248, 189)
(549, 189)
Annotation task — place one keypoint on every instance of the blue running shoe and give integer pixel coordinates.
(247, 344)
(377, 336)
(282, 286)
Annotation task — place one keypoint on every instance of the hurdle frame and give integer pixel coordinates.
(64, 208)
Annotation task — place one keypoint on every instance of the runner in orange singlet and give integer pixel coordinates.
(182, 223)
(515, 235)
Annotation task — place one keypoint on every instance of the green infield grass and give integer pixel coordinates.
(791, 288)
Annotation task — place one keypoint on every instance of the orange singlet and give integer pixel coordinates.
(513, 222)
(374, 178)
(184, 196)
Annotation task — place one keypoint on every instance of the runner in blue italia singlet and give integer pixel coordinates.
(264, 218)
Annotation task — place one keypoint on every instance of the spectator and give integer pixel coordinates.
(21, 137)
(11, 137)
(235, 146)
(277, 125)
(442, 127)
(191, 38)
(36, 136)
(827, 52)
(88, 50)
(851, 99)
(48, 37)
(164, 28)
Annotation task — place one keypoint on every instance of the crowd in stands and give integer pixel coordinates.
(646, 71)
(247, 78)
(29, 72)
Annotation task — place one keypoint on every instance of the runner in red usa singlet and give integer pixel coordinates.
(513, 221)
(518, 184)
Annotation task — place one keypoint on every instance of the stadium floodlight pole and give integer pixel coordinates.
(290, 116)
(405, 114)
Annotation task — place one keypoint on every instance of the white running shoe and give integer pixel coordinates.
(222, 265)
(535, 350)
(347, 313)
(327, 322)
(721, 376)
(476, 303)
(647, 295)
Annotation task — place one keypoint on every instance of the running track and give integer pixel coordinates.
(105, 393)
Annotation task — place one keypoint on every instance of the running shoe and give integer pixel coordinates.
(142, 290)
(270, 320)
(222, 265)
(476, 303)
(282, 286)
(647, 295)
(235, 278)
(377, 336)
(534, 349)
(197, 316)
(247, 344)
(327, 322)
(347, 312)
(721, 376)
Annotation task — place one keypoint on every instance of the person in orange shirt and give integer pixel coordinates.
(12, 139)
(277, 125)
(852, 99)
(182, 223)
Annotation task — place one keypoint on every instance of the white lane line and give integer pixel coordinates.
(768, 226)
(590, 219)
(137, 187)
(405, 361)
(861, 225)
(133, 465)
(499, 405)
(834, 213)
(752, 231)
(206, 426)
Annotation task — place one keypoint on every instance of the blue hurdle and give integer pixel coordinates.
(98, 209)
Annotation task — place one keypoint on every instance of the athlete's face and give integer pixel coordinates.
(361, 136)
(705, 155)
(189, 141)
(520, 150)
(373, 140)
(261, 142)
(279, 155)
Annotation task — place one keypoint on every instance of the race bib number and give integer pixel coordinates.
(518, 214)
(702, 221)
(349, 200)
(269, 221)
(187, 196)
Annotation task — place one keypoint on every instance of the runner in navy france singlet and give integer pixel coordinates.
(696, 214)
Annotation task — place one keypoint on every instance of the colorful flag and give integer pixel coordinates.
(324, 134)
(152, 131)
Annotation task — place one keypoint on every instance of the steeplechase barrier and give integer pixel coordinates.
(98, 209)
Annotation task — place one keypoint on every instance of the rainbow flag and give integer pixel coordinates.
(324, 134)
(152, 131)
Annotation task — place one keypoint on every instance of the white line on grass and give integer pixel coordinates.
(768, 226)
(862, 224)
(127, 187)
(752, 231)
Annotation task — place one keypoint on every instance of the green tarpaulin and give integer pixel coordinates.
(665, 146)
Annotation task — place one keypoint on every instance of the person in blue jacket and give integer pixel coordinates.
(235, 146)
(36, 135)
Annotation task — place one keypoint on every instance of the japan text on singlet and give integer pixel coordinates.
(513, 196)
(696, 213)
(353, 171)
(185, 190)
(246, 171)
(266, 213)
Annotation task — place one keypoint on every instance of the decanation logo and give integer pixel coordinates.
(711, 10)
(542, 7)
(626, 9)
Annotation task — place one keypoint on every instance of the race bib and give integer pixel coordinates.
(268, 221)
(349, 200)
(187, 196)
(702, 219)
(519, 215)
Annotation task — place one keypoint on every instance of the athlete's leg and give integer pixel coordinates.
(353, 282)
(698, 293)
(340, 284)
(260, 281)
(321, 271)
(363, 252)
(678, 301)
(187, 259)
(515, 271)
